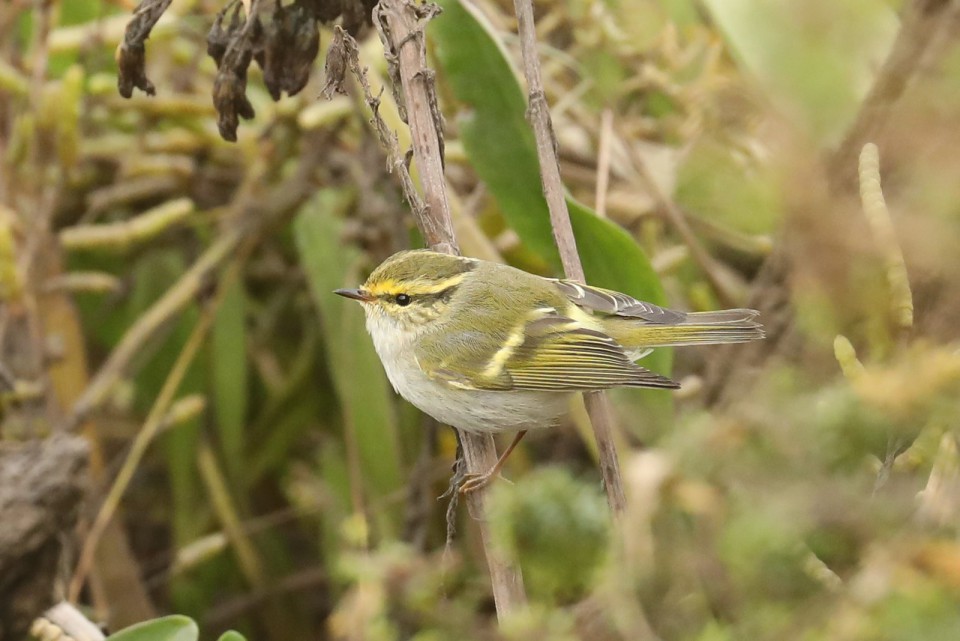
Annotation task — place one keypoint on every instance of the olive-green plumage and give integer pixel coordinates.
(487, 347)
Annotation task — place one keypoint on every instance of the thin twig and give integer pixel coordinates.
(345, 51)
(920, 22)
(401, 24)
(538, 114)
(603, 162)
(729, 289)
(597, 404)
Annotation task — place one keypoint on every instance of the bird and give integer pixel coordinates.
(488, 348)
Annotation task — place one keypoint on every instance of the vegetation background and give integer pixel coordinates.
(168, 293)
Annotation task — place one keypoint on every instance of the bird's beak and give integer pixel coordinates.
(355, 294)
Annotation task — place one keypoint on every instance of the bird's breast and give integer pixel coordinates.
(479, 411)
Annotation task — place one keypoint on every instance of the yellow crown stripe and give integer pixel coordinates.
(390, 286)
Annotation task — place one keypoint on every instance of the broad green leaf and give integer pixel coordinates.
(332, 461)
(359, 379)
(229, 368)
(170, 628)
(232, 635)
(502, 149)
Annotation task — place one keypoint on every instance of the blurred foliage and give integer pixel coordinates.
(292, 495)
(170, 628)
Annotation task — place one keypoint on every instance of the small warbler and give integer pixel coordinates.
(489, 348)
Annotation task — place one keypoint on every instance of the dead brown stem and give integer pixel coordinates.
(729, 289)
(401, 25)
(141, 443)
(920, 22)
(538, 113)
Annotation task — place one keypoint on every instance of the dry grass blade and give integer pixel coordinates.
(155, 420)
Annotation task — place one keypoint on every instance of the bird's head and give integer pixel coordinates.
(412, 288)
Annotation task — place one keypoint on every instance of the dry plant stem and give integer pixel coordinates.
(603, 162)
(921, 21)
(401, 30)
(252, 213)
(142, 441)
(728, 291)
(401, 24)
(172, 302)
(539, 115)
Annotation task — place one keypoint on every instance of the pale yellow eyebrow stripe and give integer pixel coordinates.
(414, 287)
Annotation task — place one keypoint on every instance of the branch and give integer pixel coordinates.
(538, 114)
(923, 24)
(400, 24)
(919, 25)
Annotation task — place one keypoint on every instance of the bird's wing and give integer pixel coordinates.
(614, 303)
(550, 353)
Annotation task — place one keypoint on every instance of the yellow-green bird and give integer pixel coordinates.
(489, 348)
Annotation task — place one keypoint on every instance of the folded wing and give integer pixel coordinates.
(553, 353)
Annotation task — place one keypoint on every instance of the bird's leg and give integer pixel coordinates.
(473, 482)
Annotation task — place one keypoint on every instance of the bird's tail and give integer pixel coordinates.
(696, 328)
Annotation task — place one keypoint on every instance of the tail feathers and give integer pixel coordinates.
(738, 317)
(680, 335)
(698, 328)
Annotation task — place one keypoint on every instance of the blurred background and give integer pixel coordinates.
(167, 293)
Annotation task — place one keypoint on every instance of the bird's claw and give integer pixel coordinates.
(474, 482)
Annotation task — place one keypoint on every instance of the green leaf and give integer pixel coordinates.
(230, 378)
(170, 628)
(359, 379)
(232, 635)
(502, 149)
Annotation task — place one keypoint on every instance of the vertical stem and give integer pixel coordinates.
(538, 113)
(401, 23)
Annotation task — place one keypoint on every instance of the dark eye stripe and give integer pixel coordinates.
(443, 296)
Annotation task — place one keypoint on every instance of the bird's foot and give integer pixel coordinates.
(474, 482)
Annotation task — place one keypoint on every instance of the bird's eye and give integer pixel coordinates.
(403, 300)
